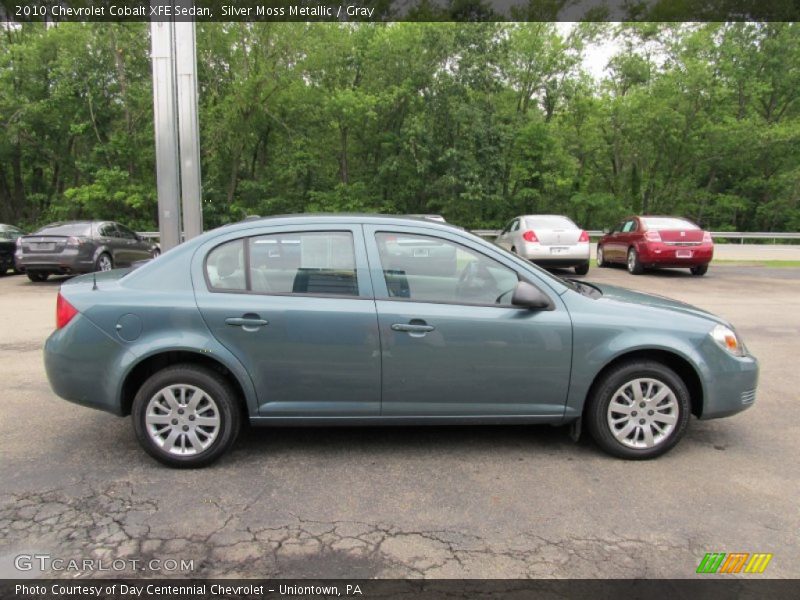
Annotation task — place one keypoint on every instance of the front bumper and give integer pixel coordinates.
(730, 383)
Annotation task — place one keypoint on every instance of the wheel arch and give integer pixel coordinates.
(153, 363)
(682, 367)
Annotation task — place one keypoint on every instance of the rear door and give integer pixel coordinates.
(295, 305)
(452, 344)
(136, 248)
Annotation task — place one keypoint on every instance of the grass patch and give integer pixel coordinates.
(758, 263)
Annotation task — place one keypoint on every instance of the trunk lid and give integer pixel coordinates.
(681, 236)
(557, 237)
(44, 244)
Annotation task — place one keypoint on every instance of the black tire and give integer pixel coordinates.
(38, 276)
(513, 250)
(699, 270)
(634, 265)
(101, 261)
(603, 392)
(601, 261)
(218, 390)
(582, 269)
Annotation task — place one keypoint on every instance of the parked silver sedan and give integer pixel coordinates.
(547, 240)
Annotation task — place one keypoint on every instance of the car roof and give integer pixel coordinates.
(340, 218)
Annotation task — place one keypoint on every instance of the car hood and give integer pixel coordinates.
(615, 293)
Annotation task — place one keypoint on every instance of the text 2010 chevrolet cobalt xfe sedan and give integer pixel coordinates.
(311, 320)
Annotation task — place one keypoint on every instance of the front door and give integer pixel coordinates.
(295, 307)
(452, 343)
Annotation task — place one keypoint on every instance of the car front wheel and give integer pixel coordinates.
(186, 416)
(638, 410)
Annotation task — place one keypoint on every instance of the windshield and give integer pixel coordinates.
(84, 229)
(549, 222)
(661, 223)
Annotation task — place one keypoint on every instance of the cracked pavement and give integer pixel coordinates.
(432, 502)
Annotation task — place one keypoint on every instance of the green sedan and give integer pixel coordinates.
(371, 320)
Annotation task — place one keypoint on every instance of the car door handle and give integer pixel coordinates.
(412, 327)
(247, 323)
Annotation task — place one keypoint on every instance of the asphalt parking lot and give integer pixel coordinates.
(411, 502)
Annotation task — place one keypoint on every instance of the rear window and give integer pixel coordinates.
(67, 229)
(661, 223)
(8, 234)
(542, 222)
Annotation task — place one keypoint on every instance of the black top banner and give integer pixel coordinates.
(21, 11)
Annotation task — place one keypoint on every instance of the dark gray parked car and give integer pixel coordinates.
(73, 247)
(8, 243)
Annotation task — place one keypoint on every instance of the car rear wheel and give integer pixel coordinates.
(634, 266)
(38, 276)
(601, 260)
(186, 416)
(104, 263)
(699, 270)
(638, 410)
(582, 269)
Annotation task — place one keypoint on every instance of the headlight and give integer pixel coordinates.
(728, 340)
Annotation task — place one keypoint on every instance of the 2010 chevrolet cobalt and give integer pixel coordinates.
(311, 320)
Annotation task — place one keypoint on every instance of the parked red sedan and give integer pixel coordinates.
(646, 242)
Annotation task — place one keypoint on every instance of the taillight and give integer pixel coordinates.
(74, 241)
(652, 236)
(529, 236)
(64, 311)
(584, 237)
(707, 238)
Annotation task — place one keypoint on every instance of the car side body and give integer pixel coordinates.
(551, 241)
(75, 247)
(376, 344)
(643, 242)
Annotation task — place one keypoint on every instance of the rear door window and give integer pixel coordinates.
(320, 262)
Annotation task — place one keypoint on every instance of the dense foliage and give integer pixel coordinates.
(478, 122)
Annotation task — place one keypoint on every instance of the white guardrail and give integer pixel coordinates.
(729, 235)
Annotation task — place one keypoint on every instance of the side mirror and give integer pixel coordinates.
(529, 296)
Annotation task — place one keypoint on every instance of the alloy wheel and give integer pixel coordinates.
(182, 419)
(643, 413)
(105, 263)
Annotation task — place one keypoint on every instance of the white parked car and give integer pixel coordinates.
(548, 241)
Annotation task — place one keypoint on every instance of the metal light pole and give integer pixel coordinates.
(174, 109)
(188, 125)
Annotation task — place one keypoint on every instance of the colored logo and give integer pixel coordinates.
(735, 562)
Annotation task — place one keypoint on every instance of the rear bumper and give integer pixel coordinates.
(565, 256)
(81, 363)
(665, 255)
(55, 263)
